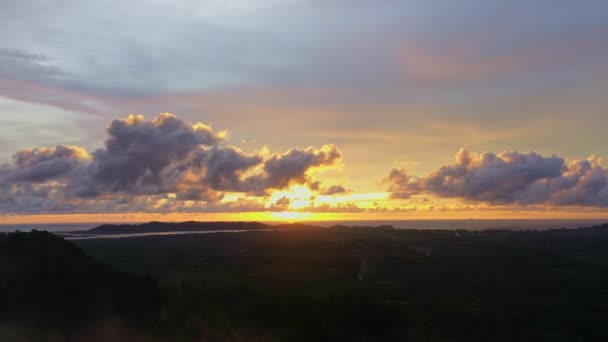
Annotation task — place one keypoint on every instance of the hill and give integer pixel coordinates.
(47, 283)
(194, 226)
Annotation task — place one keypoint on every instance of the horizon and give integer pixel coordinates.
(408, 224)
(275, 111)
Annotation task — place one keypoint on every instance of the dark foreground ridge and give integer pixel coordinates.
(340, 284)
(49, 284)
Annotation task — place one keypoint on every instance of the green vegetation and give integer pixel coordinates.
(369, 284)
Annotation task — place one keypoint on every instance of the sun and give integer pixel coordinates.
(291, 216)
(299, 197)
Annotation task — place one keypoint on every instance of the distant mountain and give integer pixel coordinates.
(194, 226)
(159, 227)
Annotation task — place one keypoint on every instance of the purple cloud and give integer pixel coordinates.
(509, 178)
(148, 166)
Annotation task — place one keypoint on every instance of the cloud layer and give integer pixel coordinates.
(170, 165)
(510, 178)
(150, 166)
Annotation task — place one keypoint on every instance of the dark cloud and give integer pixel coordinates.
(198, 193)
(334, 190)
(330, 191)
(225, 167)
(283, 201)
(510, 178)
(157, 165)
(147, 157)
(43, 164)
(282, 204)
(280, 171)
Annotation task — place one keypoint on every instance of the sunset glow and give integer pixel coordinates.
(277, 111)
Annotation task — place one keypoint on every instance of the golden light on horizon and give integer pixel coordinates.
(293, 216)
(299, 197)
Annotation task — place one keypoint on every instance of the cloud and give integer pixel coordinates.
(159, 165)
(329, 191)
(281, 171)
(510, 178)
(334, 190)
(25, 65)
(282, 204)
(147, 157)
(225, 167)
(42, 164)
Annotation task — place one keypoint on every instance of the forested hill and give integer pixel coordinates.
(49, 283)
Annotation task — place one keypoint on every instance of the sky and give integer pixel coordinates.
(302, 110)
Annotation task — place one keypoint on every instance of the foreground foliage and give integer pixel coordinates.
(340, 284)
